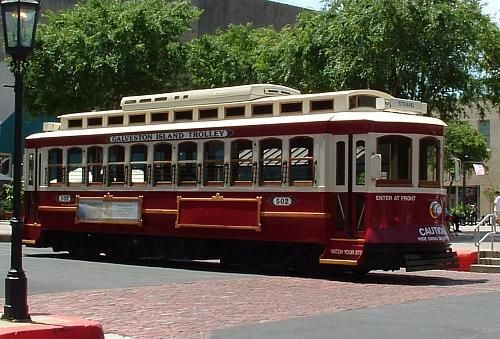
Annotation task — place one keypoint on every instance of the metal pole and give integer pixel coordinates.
(16, 283)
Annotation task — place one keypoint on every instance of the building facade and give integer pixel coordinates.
(479, 189)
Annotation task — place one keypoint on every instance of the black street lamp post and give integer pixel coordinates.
(19, 20)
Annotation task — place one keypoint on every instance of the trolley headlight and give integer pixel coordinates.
(435, 209)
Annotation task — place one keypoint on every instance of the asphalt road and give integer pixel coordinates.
(50, 272)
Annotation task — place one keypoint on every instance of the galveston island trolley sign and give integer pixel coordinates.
(178, 135)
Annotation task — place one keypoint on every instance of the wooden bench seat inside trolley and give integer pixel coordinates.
(238, 102)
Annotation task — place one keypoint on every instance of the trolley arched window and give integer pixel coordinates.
(428, 163)
(139, 164)
(270, 162)
(116, 165)
(75, 166)
(301, 161)
(213, 163)
(187, 163)
(396, 160)
(242, 168)
(55, 173)
(95, 168)
(162, 164)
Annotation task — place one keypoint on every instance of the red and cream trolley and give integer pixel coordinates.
(256, 174)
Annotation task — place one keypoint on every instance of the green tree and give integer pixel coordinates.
(443, 52)
(464, 142)
(89, 56)
(232, 57)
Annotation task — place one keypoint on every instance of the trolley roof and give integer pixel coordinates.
(248, 105)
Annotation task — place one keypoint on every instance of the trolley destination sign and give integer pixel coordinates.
(162, 136)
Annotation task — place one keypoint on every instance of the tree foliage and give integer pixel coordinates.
(232, 57)
(443, 52)
(90, 56)
(464, 142)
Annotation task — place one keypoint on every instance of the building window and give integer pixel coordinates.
(484, 129)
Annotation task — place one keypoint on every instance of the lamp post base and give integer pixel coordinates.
(16, 301)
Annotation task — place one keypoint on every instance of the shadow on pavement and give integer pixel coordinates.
(374, 277)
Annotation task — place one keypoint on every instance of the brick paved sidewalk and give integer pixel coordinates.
(193, 310)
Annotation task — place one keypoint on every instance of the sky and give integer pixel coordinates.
(491, 7)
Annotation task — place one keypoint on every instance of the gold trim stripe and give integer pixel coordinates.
(338, 262)
(310, 215)
(57, 208)
(29, 242)
(33, 225)
(159, 211)
(255, 228)
(348, 240)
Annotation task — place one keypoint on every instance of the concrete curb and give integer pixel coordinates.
(51, 326)
(466, 258)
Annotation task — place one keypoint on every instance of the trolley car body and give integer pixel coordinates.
(248, 174)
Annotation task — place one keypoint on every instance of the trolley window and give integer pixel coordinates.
(356, 101)
(95, 168)
(55, 171)
(242, 163)
(137, 118)
(116, 165)
(340, 163)
(213, 163)
(159, 117)
(139, 164)
(360, 162)
(301, 161)
(162, 164)
(208, 113)
(75, 166)
(396, 160)
(116, 120)
(186, 162)
(429, 168)
(270, 162)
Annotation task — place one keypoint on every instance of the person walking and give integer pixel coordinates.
(496, 207)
